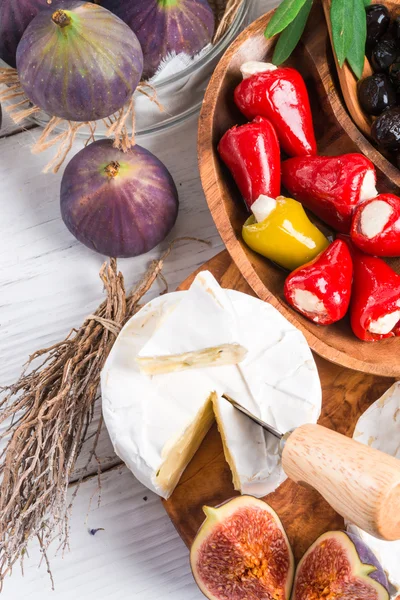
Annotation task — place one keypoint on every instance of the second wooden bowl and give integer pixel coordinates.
(336, 134)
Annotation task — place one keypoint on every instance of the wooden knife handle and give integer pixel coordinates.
(362, 484)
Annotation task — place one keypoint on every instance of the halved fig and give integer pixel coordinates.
(241, 552)
(340, 565)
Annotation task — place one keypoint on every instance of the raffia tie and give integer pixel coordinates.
(61, 134)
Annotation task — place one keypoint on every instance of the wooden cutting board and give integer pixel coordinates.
(207, 479)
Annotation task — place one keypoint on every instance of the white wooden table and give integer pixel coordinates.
(49, 283)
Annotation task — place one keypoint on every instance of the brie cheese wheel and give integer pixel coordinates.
(379, 427)
(156, 423)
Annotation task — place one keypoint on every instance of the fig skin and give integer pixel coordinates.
(335, 555)
(118, 204)
(15, 16)
(83, 67)
(166, 26)
(242, 551)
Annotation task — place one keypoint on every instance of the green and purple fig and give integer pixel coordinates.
(80, 63)
(15, 16)
(340, 565)
(120, 204)
(166, 27)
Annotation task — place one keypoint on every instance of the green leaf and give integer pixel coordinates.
(356, 53)
(342, 27)
(367, 2)
(284, 14)
(290, 36)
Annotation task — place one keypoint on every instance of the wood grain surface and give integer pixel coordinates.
(336, 134)
(208, 480)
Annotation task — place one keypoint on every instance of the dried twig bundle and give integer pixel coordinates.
(49, 409)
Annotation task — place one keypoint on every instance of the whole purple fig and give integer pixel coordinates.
(15, 16)
(120, 204)
(81, 63)
(166, 26)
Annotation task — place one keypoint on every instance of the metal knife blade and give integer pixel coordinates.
(248, 414)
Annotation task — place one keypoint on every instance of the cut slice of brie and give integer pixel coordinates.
(225, 354)
(256, 475)
(157, 423)
(205, 319)
(379, 427)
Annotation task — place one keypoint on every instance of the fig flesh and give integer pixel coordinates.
(120, 204)
(166, 27)
(81, 64)
(339, 565)
(242, 552)
(15, 16)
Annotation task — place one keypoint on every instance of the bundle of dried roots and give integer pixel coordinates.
(48, 412)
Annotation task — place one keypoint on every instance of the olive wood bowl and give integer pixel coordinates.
(348, 81)
(336, 134)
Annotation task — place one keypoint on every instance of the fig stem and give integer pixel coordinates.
(112, 169)
(168, 3)
(61, 18)
(211, 513)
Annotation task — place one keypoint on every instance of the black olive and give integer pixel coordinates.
(396, 28)
(383, 55)
(378, 21)
(395, 74)
(376, 94)
(389, 36)
(386, 129)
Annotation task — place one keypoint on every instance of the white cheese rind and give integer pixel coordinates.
(374, 218)
(379, 427)
(205, 319)
(147, 417)
(252, 67)
(368, 189)
(263, 207)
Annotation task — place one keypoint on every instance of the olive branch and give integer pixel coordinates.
(349, 30)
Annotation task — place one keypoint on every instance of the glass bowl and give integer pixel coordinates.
(180, 94)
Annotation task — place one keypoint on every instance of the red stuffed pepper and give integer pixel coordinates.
(279, 94)
(321, 289)
(252, 154)
(375, 300)
(376, 226)
(331, 186)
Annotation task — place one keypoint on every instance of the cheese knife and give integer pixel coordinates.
(360, 483)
